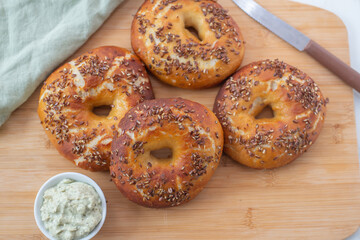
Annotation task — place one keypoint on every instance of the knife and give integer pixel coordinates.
(301, 42)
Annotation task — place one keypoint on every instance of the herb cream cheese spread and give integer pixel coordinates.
(71, 209)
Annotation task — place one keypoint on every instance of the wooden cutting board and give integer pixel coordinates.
(315, 197)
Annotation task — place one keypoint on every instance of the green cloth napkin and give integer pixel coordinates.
(36, 36)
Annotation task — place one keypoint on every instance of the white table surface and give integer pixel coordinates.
(349, 12)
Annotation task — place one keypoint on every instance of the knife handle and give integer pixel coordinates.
(334, 64)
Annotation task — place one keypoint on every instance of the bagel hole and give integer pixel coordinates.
(162, 153)
(103, 110)
(194, 32)
(266, 112)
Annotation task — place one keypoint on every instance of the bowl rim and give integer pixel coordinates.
(51, 182)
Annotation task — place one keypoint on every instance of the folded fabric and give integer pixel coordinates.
(36, 36)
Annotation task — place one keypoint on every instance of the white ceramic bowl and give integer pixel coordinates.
(55, 180)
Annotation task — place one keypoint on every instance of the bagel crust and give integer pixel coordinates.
(104, 76)
(177, 57)
(189, 129)
(299, 110)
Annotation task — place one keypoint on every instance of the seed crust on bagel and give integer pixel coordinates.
(298, 107)
(160, 36)
(189, 129)
(107, 75)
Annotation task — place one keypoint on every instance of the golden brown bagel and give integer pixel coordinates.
(104, 76)
(298, 106)
(192, 132)
(174, 55)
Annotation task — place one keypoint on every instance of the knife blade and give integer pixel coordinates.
(300, 41)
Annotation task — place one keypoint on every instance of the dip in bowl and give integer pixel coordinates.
(70, 206)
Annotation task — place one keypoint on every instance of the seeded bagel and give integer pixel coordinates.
(189, 129)
(159, 36)
(104, 76)
(299, 110)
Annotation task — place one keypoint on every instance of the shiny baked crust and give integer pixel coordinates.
(299, 111)
(192, 132)
(174, 55)
(104, 76)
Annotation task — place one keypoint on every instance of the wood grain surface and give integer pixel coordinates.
(315, 197)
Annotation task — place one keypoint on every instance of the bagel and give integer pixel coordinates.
(159, 36)
(104, 76)
(189, 129)
(299, 110)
